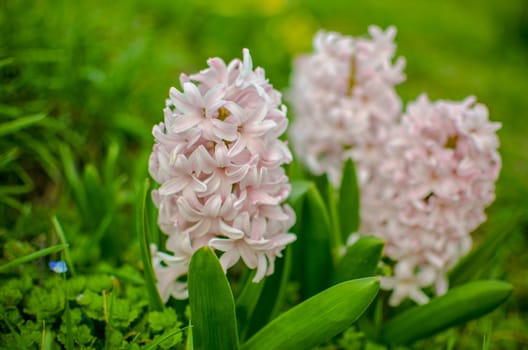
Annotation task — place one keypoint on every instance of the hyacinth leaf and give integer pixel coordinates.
(478, 259)
(348, 206)
(298, 190)
(313, 244)
(272, 296)
(457, 306)
(212, 304)
(328, 195)
(360, 260)
(155, 302)
(33, 256)
(295, 171)
(331, 202)
(317, 319)
(247, 301)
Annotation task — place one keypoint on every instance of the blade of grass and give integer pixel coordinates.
(33, 256)
(9, 156)
(69, 332)
(48, 337)
(12, 202)
(42, 150)
(20, 123)
(155, 343)
(62, 238)
(110, 163)
(155, 302)
(73, 178)
(26, 186)
(190, 344)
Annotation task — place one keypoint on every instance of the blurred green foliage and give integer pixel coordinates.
(82, 83)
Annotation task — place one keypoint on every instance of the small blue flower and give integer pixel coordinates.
(58, 266)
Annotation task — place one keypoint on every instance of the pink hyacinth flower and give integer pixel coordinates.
(344, 101)
(218, 159)
(438, 177)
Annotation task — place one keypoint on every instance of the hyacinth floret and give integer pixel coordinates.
(217, 157)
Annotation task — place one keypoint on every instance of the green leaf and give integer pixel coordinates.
(360, 260)
(72, 176)
(69, 324)
(272, 296)
(160, 320)
(480, 257)
(348, 206)
(317, 319)
(329, 195)
(48, 339)
(62, 238)
(459, 305)
(247, 301)
(107, 307)
(167, 340)
(189, 344)
(44, 304)
(20, 123)
(298, 190)
(166, 323)
(33, 256)
(110, 162)
(315, 255)
(9, 156)
(175, 333)
(212, 305)
(44, 152)
(144, 246)
(295, 170)
(26, 185)
(95, 192)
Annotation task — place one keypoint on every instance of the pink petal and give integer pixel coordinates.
(184, 123)
(174, 185)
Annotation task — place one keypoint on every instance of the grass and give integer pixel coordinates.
(82, 83)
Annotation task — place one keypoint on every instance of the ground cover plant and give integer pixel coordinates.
(82, 84)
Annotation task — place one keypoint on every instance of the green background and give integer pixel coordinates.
(101, 70)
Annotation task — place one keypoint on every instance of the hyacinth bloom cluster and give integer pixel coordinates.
(425, 176)
(344, 101)
(217, 157)
(431, 191)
